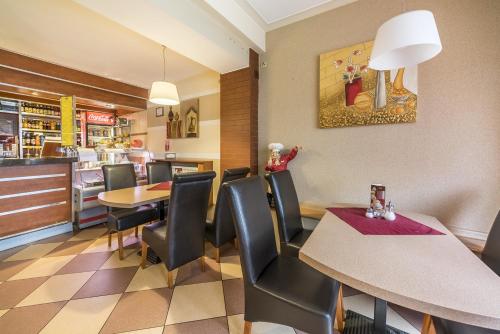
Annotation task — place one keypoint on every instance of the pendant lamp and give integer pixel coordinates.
(164, 92)
(405, 40)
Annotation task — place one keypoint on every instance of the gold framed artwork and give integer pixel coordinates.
(185, 121)
(351, 94)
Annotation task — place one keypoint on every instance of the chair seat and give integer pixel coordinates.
(123, 219)
(155, 235)
(451, 327)
(293, 246)
(493, 263)
(289, 287)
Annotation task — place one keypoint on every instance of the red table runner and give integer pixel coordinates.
(162, 186)
(372, 226)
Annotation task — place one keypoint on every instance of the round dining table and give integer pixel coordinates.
(433, 274)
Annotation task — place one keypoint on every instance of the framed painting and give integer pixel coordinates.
(351, 94)
(185, 121)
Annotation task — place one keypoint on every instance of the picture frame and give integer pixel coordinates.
(159, 112)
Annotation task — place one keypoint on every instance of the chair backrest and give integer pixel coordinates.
(159, 171)
(286, 203)
(119, 176)
(187, 214)
(223, 220)
(491, 252)
(254, 225)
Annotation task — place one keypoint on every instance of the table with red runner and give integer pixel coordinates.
(162, 186)
(355, 217)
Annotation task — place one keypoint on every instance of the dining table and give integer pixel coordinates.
(436, 274)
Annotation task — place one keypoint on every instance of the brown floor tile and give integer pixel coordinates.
(10, 268)
(9, 252)
(234, 296)
(227, 249)
(70, 248)
(107, 282)
(29, 319)
(209, 326)
(13, 292)
(85, 262)
(191, 273)
(347, 291)
(56, 238)
(413, 317)
(138, 310)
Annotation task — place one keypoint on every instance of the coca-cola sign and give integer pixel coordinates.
(100, 118)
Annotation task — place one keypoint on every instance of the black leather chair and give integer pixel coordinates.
(221, 229)
(292, 233)
(491, 257)
(181, 238)
(159, 171)
(118, 177)
(278, 289)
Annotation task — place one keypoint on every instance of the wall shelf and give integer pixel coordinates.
(40, 115)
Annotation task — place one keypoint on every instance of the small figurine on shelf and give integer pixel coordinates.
(389, 212)
(279, 161)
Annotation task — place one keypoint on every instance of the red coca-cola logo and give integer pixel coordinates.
(99, 118)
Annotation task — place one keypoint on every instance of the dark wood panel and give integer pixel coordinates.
(17, 171)
(15, 187)
(29, 80)
(16, 203)
(29, 220)
(56, 71)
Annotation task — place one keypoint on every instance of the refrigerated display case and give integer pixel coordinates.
(89, 181)
(99, 129)
(9, 129)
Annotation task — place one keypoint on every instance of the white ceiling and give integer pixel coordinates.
(68, 34)
(278, 13)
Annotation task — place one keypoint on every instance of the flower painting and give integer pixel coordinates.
(352, 94)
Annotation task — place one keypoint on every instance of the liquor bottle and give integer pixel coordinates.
(37, 140)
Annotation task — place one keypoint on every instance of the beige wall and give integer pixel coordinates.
(447, 164)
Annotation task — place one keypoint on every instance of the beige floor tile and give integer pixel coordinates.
(2, 312)
(153, 277)
(155, 330)
(43, 267)
(85, 316)
(196, 302)
(34, 251)
(89, 233)
(101, 245)
(130, 259)
(230, 267)
(57, 288)
(236, 322)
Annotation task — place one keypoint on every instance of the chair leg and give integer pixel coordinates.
(120, 244)
(247, 329)
(339, 312)
(109, 239)
(202, 263)
(144, 254)
(428, 326)
(137, 231)
(236, 243)
(170, 280)
(217, 254)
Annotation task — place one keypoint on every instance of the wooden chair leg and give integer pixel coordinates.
(120, 244)
(427, 325)
(236, 243)
(339, 312)
(217, 254)
(137, 231)
(109, 239)
(202, 263)
(170, 280)
(247, 329)
(144, 254)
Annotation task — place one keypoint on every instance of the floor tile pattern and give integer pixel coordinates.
(75, 283)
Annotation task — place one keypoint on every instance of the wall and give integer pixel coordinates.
(447, 164)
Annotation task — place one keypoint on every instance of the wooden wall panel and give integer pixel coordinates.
(239, 116)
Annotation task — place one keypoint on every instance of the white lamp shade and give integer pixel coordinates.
(405, 40)
(164, 93)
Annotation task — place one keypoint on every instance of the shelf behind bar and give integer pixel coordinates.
(40, 115)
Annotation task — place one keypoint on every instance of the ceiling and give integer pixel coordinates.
(278, 13)
(68, 34)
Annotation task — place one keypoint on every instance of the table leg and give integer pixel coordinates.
(161, 208)
(380, 316)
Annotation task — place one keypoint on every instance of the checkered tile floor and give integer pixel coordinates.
(76, 284)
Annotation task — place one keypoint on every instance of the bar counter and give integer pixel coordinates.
(34, 193)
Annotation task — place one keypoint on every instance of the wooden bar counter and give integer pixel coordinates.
(34, 193)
